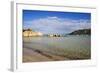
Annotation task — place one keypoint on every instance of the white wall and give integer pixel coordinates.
(5, 35)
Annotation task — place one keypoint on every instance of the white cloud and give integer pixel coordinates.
(56, 25)
(54, 17)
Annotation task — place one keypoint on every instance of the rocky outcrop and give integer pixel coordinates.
(30, 33)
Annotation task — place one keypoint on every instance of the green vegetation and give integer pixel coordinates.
(27, 30)
(81, 32)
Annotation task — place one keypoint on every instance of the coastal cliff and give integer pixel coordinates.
(30, 33)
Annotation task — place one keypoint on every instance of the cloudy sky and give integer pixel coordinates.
(51, 22)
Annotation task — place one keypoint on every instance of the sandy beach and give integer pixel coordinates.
(30, 55)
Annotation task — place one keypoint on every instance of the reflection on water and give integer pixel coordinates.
(72, 47)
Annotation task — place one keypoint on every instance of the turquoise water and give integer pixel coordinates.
(71, 47)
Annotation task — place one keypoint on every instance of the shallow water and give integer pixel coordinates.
(72, 47)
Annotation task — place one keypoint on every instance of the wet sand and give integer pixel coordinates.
(30, 55)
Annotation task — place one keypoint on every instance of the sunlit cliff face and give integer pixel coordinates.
(31, 33)
(39, 33)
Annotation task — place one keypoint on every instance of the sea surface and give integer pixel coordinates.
(72, 47)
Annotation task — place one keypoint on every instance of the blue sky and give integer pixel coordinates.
(52, 22)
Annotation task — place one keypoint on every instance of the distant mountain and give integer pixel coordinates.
(81, 32)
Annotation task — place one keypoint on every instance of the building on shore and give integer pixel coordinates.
(30, 33)
(54, 35)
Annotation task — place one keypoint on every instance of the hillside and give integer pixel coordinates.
(81, 32)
